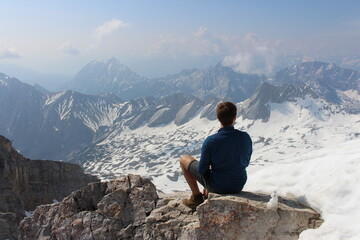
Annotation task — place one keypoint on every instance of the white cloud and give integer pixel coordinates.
(202, 32)
(247, 54)
(207, 43)
(69, 48)
(9, 52)
(256, 62)
(109, 27)
(240, 62)
(254, 56)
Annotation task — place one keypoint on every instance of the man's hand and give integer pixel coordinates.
(205, 193)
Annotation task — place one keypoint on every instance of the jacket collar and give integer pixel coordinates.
(229, 128)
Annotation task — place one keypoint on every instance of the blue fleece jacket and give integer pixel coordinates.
(225, 156)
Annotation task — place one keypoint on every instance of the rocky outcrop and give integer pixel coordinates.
(246, 216)
(25, 184)
(129, 208)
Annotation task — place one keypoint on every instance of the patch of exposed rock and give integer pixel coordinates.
(25, 184)
(129, 208)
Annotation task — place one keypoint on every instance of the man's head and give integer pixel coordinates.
(226, 113)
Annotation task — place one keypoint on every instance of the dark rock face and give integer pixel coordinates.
(25, 184)
(129, 208)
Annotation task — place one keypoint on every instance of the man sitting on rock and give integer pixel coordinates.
(224, 158)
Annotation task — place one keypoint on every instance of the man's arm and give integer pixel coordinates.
(205, 159)
(249, 149)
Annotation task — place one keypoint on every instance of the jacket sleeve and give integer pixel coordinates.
(205, 159)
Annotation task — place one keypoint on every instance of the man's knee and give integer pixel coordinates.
(185, 160)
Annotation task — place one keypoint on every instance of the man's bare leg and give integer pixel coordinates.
(184, 163)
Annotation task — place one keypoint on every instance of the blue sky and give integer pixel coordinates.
(156, 38)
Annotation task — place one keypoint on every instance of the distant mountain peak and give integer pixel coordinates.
(111, 62)
(106, 76)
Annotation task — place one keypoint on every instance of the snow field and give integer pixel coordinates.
(327, 180)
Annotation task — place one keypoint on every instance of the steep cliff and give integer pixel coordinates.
(25, 184)
(129, 208)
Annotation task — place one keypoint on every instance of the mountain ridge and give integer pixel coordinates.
(99, 77)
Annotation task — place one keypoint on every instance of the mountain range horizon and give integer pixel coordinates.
(55, 82)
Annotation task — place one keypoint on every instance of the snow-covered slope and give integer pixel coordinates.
(294, 128)
(93, 111)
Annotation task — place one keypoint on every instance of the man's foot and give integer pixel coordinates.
(193, 201)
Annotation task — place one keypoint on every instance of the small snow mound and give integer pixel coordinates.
(273, 202)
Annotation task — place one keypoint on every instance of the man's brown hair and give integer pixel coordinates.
(226, 112)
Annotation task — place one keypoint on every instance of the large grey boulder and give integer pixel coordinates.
(129, 208)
